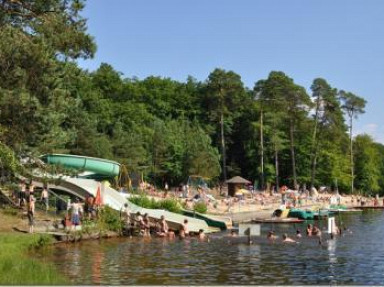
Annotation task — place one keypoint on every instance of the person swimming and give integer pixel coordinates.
(271, 235)
(309, 230)
(201, 234)
(288, 239)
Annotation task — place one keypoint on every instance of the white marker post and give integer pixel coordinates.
(249, 230)
(331, 226)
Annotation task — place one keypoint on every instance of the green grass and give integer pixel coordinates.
(17, 265)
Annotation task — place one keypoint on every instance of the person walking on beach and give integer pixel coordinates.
(44, 198)
(31, 213)
(166, 188)
(31, 190)
(22, 194)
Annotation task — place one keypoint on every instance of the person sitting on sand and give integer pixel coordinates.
(288, 239)
(271, 235)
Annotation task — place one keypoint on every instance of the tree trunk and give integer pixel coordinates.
(223, 146)
(277, 168)
(261, 152)
(291, 127)
(351, 155)
(314, 144)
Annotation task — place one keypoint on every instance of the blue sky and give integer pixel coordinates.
(341, 41)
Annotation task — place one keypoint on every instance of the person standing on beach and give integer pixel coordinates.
(166, 188)
(76, 210)
(22, 193)
(44, 198)
(31, 213)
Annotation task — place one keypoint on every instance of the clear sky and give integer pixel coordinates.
(341, 41)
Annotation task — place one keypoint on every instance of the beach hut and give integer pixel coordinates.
(236, 183)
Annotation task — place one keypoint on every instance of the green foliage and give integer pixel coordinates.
(170, 204)
(42, 240)
(10, 211)
(163, 128)
(109, 219)
(367, 161)
(18, 266)
(200, 207)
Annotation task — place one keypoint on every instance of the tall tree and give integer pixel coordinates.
(223, 98)
(36, 39)
(368, 162)
(328, 119)
(353, 106)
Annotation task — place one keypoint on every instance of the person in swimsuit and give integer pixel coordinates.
(31, 213)
(184, 231)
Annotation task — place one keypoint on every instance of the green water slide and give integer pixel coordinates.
(100, 167)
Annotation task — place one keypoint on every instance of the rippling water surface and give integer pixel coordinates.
(354, 259)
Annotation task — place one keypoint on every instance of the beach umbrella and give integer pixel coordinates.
(98, 198)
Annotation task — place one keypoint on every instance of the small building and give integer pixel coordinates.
(236, 183)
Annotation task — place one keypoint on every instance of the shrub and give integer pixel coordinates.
(200, 207)
(142, 200)
(169, 204)
(41, 241)
(10, 211)
(172, 205)
(109, 219)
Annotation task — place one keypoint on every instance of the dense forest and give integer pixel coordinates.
(274, 133)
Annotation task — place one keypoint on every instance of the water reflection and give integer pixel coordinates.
(355, 258)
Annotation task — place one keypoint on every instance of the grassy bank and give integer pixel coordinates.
(17, 264)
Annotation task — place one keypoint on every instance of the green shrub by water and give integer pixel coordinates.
(18, 265)
(109, 219)
(170, 204)
(200, 207)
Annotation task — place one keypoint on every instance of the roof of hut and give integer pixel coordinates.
(238, 179)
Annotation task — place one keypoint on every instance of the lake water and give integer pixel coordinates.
(356, 258)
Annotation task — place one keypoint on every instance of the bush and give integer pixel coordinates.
(142, 200)
(172, 205)
(200, 207)
(41, 241)
(109, 219)
(10, 211)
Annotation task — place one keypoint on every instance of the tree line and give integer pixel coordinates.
(275, 133)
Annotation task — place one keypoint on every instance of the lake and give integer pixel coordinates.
(355, 258)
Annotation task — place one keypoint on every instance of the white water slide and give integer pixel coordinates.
(117, 200)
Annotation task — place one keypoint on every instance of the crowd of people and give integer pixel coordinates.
(142, 225)
(312, 231)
